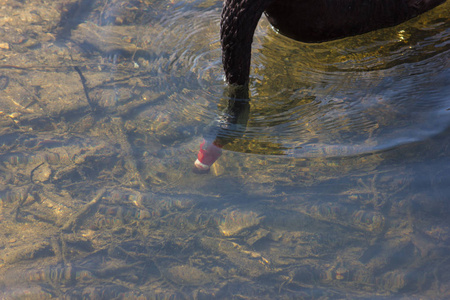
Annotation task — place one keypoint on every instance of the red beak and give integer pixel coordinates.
(207, 155)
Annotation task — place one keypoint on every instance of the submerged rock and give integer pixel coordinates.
(233, 222)
(187, 275)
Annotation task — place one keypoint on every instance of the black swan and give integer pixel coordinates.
(302, 20)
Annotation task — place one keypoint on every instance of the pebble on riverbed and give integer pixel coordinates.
(233, 222)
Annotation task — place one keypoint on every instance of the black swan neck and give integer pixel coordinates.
(238, 23)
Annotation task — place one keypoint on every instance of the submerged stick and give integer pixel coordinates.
(76, 218)
(118, 134)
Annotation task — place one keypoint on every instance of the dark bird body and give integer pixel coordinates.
(306, 21)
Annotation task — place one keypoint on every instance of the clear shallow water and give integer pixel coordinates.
(337, 189)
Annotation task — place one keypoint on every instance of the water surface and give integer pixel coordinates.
(337, 187)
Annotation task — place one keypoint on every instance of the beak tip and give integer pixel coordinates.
(200, 168)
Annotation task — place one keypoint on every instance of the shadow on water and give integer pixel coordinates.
(333, 181)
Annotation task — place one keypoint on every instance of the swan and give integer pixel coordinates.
(305, 21)
(311, 21)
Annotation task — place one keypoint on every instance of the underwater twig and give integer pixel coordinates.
(117, 131)
(76, 218)
(85, 88)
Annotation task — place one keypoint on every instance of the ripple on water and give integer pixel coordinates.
(190, 38)
(355, 95)
(347, 97)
